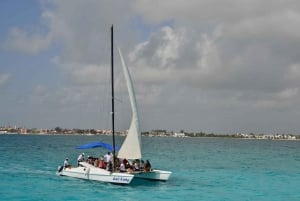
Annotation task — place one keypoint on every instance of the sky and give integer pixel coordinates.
(221, 66)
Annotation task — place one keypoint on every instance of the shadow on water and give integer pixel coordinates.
(146, 183)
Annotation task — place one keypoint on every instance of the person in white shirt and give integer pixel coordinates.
(80, 158)
(107, 158)
(66, 163)
(122, 167)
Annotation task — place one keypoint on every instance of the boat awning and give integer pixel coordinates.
(97, 144)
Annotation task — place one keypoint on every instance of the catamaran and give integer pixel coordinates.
(131, 148)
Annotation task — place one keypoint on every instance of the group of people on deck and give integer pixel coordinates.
(121, 165)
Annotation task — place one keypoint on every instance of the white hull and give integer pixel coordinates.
(159, 175)
(89, 172)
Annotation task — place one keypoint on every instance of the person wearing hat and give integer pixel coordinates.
(80, 158)
(66, 163)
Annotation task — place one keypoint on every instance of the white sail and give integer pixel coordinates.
(131, 147)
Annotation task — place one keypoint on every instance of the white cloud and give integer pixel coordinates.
(293, 72)
(209, 63)
(168, 50)
(161, 50)
(86, 74)
(154, 61)
(19, 40)
(280, 25)
(210, 13)
(4, 78)
(39, 90)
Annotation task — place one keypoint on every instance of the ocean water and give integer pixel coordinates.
(211, 169)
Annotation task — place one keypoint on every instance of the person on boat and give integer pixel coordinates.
(90, 160)
(96, 162)
(129, 170)
(142, 165)
(126, 163)
(80, 158)
(136, 165)
(122, 167)
(101, 163)
(107, 158)
(66, 163)
(109, 166)
(147, 167)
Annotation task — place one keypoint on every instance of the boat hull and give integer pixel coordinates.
(158, 175)
(89, 172)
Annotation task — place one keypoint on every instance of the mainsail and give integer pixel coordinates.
(131, 147)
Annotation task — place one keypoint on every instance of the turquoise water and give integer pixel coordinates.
(203, 169)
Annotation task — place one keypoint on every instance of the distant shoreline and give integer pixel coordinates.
(251, 137)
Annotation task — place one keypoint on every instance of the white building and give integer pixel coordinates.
(179, 135)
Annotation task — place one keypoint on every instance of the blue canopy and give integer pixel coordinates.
(97, 144)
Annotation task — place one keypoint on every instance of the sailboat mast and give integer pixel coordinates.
(112, 93)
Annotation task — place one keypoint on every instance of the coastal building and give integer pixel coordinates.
(179, 135)
(23, 130)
